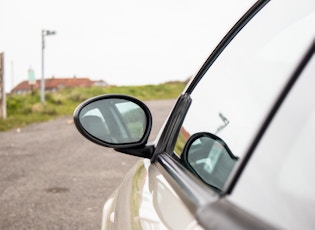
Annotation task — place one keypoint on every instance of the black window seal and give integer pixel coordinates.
(225, 41)
(193, 192)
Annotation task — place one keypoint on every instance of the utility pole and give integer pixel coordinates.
(44, 33)
(3, 105)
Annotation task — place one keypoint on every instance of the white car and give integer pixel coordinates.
(237, 151)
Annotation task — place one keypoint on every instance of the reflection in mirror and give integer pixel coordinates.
(114, 120)
(210, 158)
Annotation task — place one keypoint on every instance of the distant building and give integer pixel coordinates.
(54, 84)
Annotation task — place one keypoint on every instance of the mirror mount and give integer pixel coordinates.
(145, 151)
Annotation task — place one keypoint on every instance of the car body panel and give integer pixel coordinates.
(145, 200)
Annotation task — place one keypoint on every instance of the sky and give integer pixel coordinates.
(123, 42)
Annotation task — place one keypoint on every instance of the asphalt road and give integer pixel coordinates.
(51, 177)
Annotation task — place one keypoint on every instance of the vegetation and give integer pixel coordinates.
(26, 109)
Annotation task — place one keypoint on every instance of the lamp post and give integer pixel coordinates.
(44, 33)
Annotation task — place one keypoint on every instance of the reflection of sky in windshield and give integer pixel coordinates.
(126, 106)
(95, 112)
(244, 81)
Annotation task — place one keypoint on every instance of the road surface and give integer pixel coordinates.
(53, 178)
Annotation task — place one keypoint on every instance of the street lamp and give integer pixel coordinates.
(44, 33)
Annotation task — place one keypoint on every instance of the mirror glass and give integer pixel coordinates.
(114, 120)
(211, 159)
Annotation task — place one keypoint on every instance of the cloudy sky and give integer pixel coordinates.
(124, 42)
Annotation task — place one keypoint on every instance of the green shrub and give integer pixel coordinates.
(26, 109)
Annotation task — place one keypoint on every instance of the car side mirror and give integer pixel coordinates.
(209, 157)
(116, 121)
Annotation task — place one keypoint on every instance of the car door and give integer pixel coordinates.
(232, 96)
(226, 109)
(278, 185)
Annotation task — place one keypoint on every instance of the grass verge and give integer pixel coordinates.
(26, 109)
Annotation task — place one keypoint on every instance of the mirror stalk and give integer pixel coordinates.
(145, 152)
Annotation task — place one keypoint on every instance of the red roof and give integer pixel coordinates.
(56, 83)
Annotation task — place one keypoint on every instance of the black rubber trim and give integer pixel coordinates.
(194, 193)
(211, 210)
(173, 124)
(225, 41)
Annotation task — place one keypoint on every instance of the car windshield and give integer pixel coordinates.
(239, 89)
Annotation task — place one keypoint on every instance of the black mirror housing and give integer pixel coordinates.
(115, 121)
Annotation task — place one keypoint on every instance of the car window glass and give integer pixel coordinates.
(278, 183)
(235, 95)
